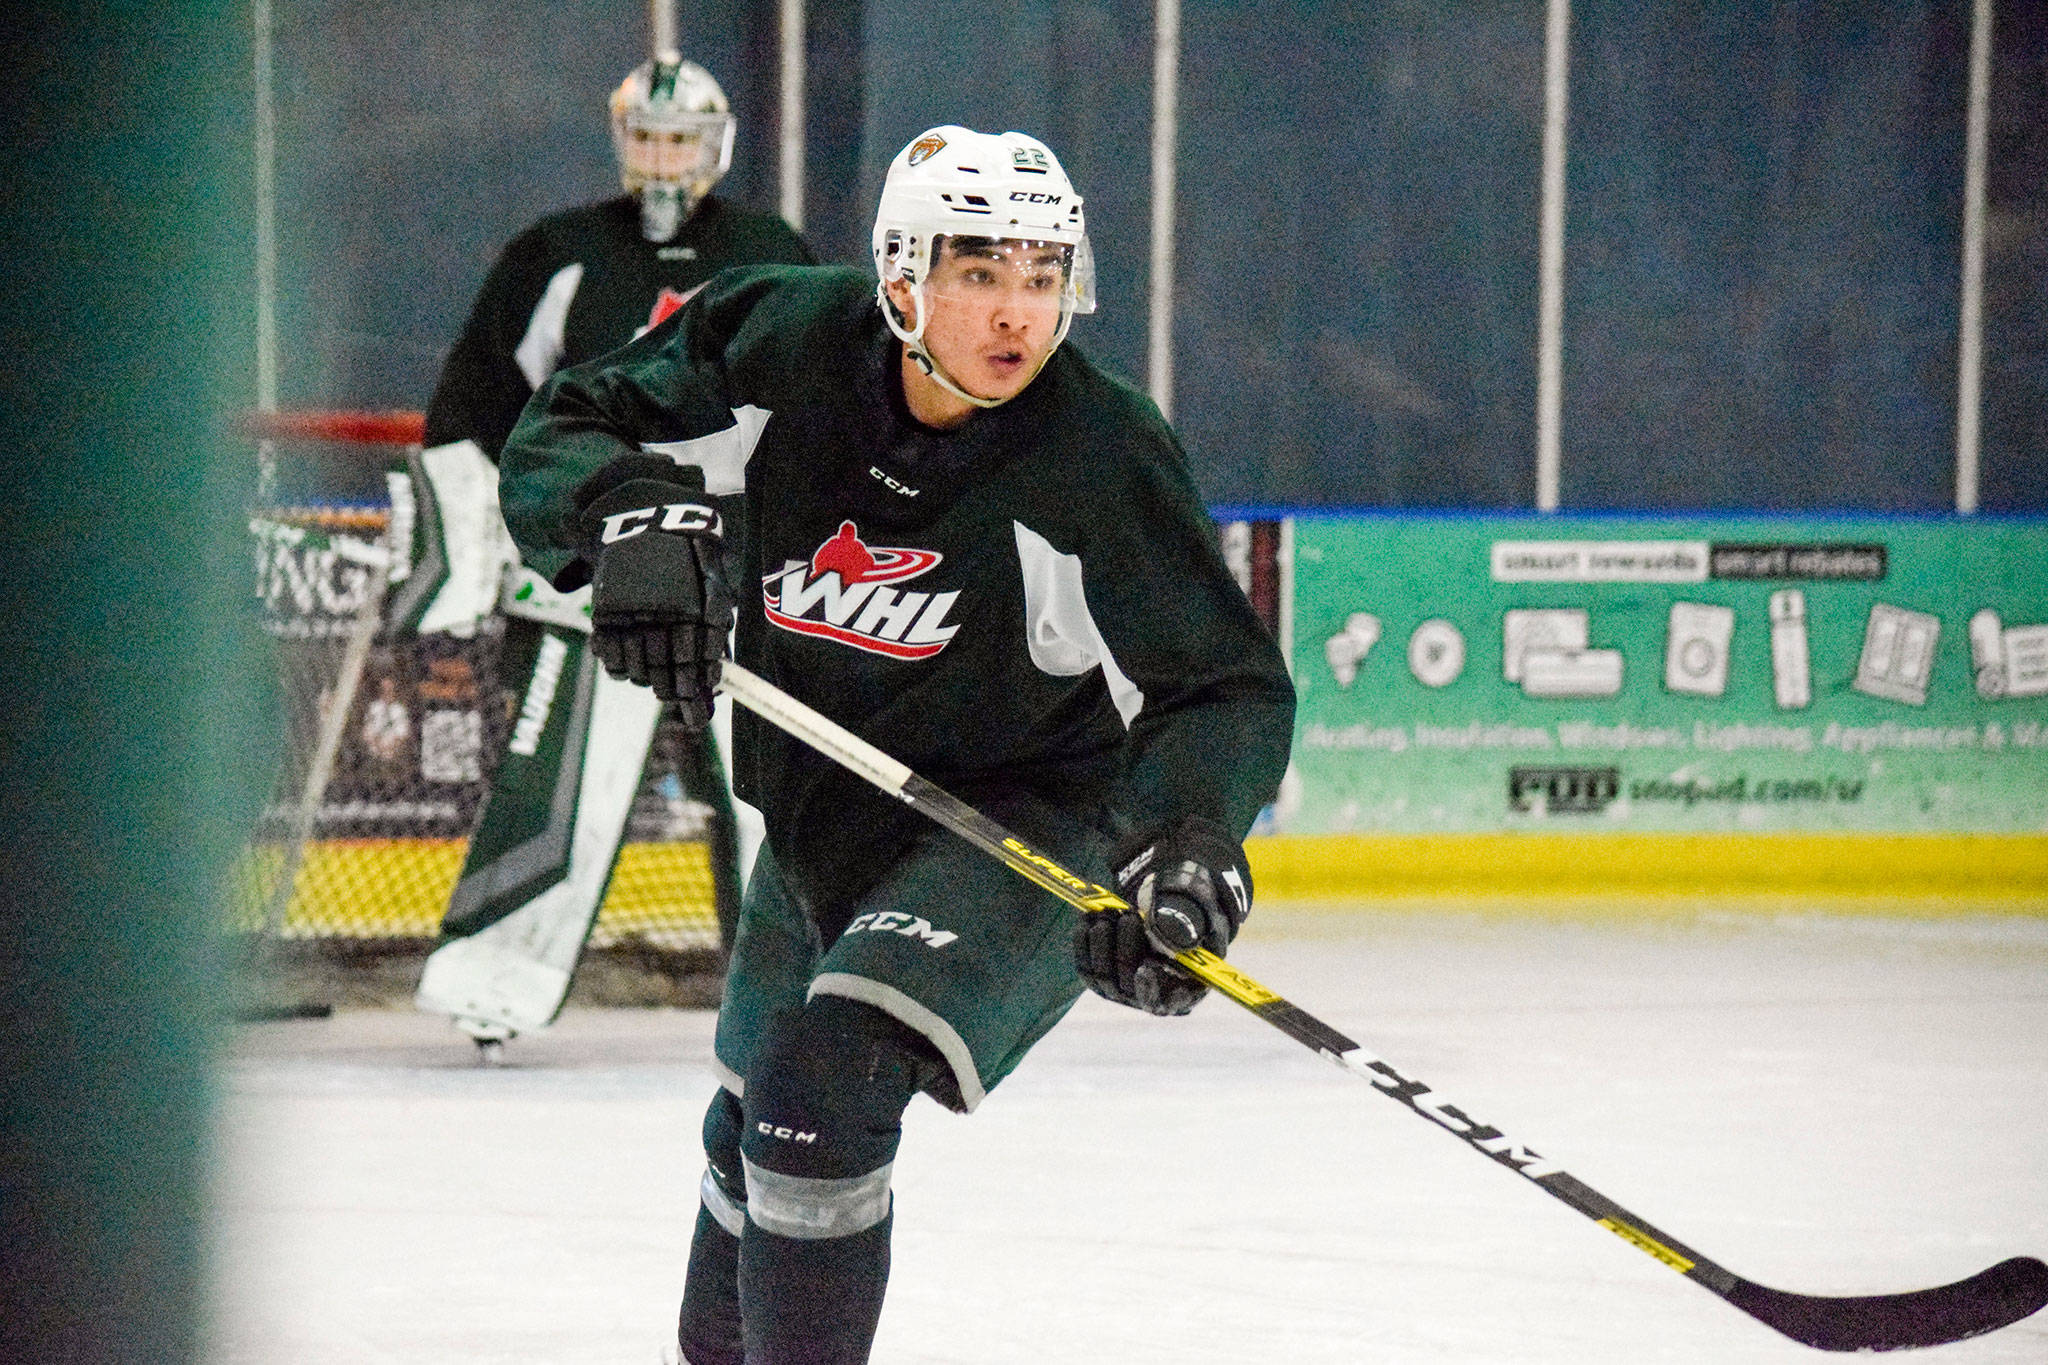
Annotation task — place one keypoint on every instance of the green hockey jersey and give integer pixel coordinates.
(1032, 604)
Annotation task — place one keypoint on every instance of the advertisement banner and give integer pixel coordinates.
(431, 713)
(1485, 673)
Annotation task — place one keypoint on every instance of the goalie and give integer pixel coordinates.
(571, 287)
(969, 545)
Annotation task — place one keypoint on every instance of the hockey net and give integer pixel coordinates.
(390, 741)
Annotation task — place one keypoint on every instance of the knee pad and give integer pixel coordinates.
(823, 1114)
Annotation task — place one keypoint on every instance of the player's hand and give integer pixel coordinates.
(1189, 888)
(659, 605)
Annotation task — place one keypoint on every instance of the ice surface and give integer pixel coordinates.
(1823, 1102)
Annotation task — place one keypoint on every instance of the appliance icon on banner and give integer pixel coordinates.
(2009, 661)
(1791, 667)
(1547, 651)
(1346, 650)
(1696, 648)
(1436, 653)
(1898, 654)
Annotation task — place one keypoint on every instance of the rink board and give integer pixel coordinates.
(1915, 874)
(1508, 703)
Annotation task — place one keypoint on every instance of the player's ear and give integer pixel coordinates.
(905, 299)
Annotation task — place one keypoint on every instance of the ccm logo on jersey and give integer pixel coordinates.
(786, 1134)
(897, 922)
(894, 487)
(674, 516)
(843, 593)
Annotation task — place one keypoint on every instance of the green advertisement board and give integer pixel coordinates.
(1481, 673)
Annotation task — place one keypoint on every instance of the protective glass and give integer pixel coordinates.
(1013, 271)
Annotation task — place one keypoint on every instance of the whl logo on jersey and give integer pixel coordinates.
(844, 593)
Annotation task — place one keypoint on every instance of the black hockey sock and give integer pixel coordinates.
(708, 1329)
(812, 1302)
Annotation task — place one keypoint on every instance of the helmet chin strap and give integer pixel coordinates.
(923, 360)
(913, 344)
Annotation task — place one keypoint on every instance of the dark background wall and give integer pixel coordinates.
(2016, 263)
(1356, 316)
(1763, 236)
(1765, 225)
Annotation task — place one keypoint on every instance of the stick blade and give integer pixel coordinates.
(1985, 1302)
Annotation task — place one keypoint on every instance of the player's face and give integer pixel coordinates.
(665, 153)
(995, 312)
(672, 147)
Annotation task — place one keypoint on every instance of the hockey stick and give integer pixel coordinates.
(1991, 1299)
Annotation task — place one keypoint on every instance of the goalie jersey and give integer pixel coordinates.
(575, 285)
(1030, 605)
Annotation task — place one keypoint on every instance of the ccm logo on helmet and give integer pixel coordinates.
(1032, 197)
(675, 516)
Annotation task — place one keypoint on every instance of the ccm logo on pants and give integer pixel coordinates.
(896, 922)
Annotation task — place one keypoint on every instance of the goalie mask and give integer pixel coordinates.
(1004, 192)
(673, 130)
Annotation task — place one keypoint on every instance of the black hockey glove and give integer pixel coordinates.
(1190, 888)
(659, 605)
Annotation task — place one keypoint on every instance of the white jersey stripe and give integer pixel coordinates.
(540, 350)
(1059, 628)
(722, 455)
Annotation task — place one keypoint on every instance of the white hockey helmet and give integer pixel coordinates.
(672, 129)
(953, 181)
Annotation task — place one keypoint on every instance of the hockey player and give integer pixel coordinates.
(571, 287)
(964, 542)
